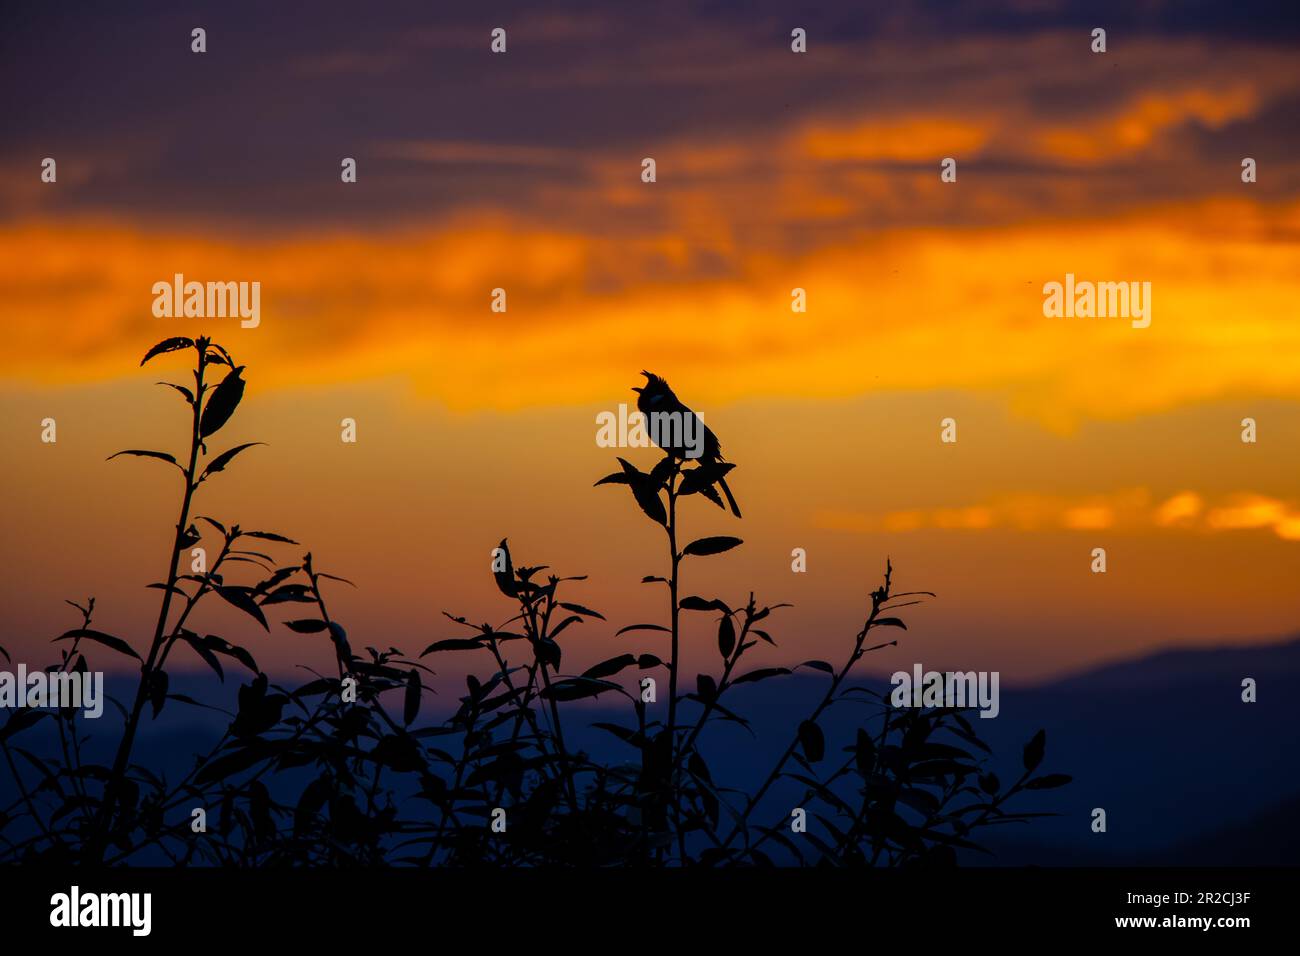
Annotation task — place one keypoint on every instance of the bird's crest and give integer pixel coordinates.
(652, 383)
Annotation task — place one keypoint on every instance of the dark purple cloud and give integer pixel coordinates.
(251, 133)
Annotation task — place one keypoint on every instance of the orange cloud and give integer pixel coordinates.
(905, 139)
(1143, 121)
(908, 310)
(1247, 512)
(1181, 509)
(1127, 510)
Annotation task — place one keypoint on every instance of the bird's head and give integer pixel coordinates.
(653, 383)
(654, 391)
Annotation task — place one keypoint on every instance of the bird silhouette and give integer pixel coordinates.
(656, 398)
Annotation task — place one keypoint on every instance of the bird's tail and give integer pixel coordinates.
(731, 500)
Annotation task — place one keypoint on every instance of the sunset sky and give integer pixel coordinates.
(775, 170)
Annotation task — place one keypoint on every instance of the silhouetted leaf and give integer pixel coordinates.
(823, 666)
(217, 353)
(340, 638)
(400, 752)
(167, 345)
(221, 461)
(156, 690)
(269, 536)
(229, 763)
(626, 734)
(920, 800)
(940, 768)
(204, 652)
(706, 688)
(644, 491)
(453, 644)
(579, 609)
(159, 586)
(190, 538)
(1033, 754)
(220, 645)
(1048, 781)
(306, 626)
(99, 637)
(650, 503)
(548, 652)
(864, 752)
(812, 741)
(505, 577)
(242, 598)
(576, 688)
(763, 673)
(888, 622)
(222, 403)
(571, 619)
(726, 636)
(258, 710)
(701, 480)
(189, 396)
(695, 603)
(411, 703)
(141, 453)
(660, 472)
(610, 667)
(215, 523)
(20, 720)
(310, 802)
(642, 627)
(714, 545)
(929, 750)
(276, 577)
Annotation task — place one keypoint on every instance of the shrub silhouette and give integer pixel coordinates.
(339, 771)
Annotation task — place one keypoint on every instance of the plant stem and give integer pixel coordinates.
(673, 667)
(543, 633)
(672, 593)
(121, 760)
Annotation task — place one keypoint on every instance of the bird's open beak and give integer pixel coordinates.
(637, 390)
